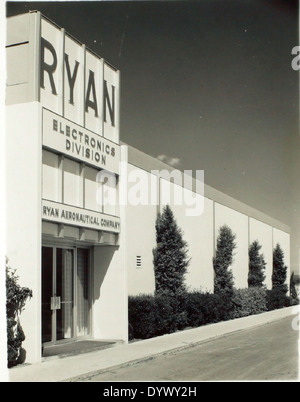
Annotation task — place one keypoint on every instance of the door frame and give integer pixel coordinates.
(55, 245)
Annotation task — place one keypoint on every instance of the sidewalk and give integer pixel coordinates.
(81, 366)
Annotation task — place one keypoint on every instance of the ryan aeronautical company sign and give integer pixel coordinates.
(69, 215)
(71, 139)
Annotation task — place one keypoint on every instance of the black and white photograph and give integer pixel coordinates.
(150, 206)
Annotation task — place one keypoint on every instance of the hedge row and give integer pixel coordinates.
(151, 316)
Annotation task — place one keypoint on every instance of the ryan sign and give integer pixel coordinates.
(77, 84)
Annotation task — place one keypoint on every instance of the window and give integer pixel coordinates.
(72, 183)
(91, 189)
(51, 176)
(109, 193)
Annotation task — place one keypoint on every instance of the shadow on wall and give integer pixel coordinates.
(103, 256)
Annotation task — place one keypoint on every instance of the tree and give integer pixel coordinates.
(223, 282)
(170, 257)
(293, 290)
(16, 297)
(279, 270)
(257, 266)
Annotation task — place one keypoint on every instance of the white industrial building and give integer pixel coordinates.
(80, 256)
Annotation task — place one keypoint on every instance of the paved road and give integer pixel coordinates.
(266, 353)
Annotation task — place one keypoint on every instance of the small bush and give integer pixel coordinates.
(217, 307)
(194, 306)
(141, 316)
(156, 315)
(16, 297)
(277, 298)
(167, 314)
(248, 301)
(206, 308)
(150, 316)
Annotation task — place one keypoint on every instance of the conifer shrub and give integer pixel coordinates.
(279, 275)
(293, 290)
(170, 261)
(224, 281)
(170, 256)
(257, 266)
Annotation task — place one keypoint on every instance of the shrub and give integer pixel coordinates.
(248, 301)
(206, 308)
(223, 282)
(276, 299)
(194, 306)
(16, 297)
(141, 316)
(168, 316)
(150, 316)
(156, 315)
(217, 307)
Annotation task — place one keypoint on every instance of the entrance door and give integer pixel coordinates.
(65, 293)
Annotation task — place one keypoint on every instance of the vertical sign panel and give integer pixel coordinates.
(74, 81)
(93, 93)
(51, 66)
(111, 103)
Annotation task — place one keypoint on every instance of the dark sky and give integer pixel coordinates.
(207, 82)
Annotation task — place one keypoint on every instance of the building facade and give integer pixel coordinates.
(80, 225)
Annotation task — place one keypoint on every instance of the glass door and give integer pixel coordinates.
(47, 292)
(82, 293)
(57, 294)
(65, 293)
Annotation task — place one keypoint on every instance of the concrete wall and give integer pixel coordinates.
(110, 283)
(140, 238)
(200, 232)
(22, 48)
(109, 311)
(23, 213)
